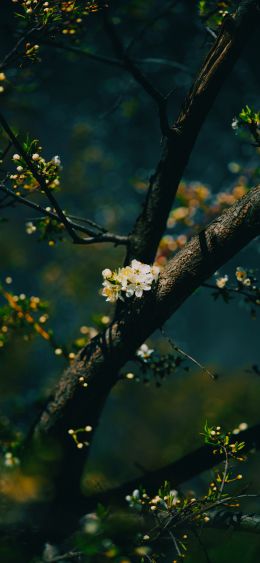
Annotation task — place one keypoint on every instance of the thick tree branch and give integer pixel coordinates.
(217, 66)
(73, 406)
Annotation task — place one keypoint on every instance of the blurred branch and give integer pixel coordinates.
(110, 61)
(236, 520)
(83, 52)
(99, 363)
(178, 472)
(94, 237)
(65, 557)
(232, 38)
(138, 75)
(166, 62)
(150, 23)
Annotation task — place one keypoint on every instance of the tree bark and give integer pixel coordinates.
(73, 406)
(178, 145)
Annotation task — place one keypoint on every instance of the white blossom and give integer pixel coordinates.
(234, 123)
(243, 426)
(131, 280)
(30, 228)
(35, 156)
(56, 160)
(144, 352)
(106, 273)
(10, 460)
(222, 282)
(91, 523)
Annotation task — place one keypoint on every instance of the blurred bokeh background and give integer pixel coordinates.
(106, 132)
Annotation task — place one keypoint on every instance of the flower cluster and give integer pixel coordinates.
(191, 198)
(245, 277)
(21, 313)
(245, 286)
(154, 366)
(174, 513)
(165, 499)
(24, 178)
(79, 436)
(27, 316)
(223, 442)
(66, 17)
(196, 206)
(130, 281)
(169, 244)
(10, 460)
(31, 53)
(47, 228)
(213, 12)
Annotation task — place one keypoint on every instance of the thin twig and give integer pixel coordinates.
(109, 60)
(236, 290)
(93, 236)
(84, 52)
(14, 50)
(89, 222)
(150, 23)
(137, 74)
(224, 473)
(166, 62)
(178, 349)
(178, 551)
(40, 180)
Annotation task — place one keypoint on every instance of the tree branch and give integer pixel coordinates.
(137, 74)
(99, 363)
(236, 520)
(95, 57)
(59, 216)
(150, 23)
(83, 52)
(39, 179)
(94, 236)
(151, 223)
(178, 472)
(15, 50)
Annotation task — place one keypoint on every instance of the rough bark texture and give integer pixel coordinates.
(178, 146)
(73, 406)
